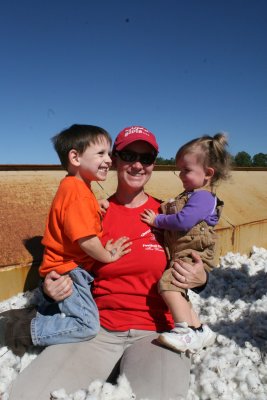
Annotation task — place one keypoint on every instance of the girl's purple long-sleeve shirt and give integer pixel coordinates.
(201, 206)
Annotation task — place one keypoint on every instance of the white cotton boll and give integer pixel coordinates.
(9, 359)
(28, 358)
(59, 394)
(248, 353)
(4, 388)
(262, 370)
(9, 368)
(261, 396)
(255, 356)
(222, 340)
(219, 387)
(258, 253)
(19, 302)
(241, 374)
(234, 315)
(227, 396)
(190, 396)
(259, 305)
(210, 319)
(196, 359)
(3, 351)
(240, 305)
(253, 382)
(234, 305)
(207, 376)
(7, 374)
(123, 390)
(107, 392)
(91, 397)
(232, 386)
(213, 300)
(208, 389)
(213, 364)
(95, 387)
(79, 395)
(243, 387)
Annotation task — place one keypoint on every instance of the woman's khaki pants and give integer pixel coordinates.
(154, 372)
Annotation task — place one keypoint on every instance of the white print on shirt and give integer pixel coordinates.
(146, 233)
(153, 247)
(150, 246)
(151, 238)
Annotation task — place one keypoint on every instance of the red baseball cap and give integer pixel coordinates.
(132, 134)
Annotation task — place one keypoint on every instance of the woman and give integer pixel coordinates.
(131, 310)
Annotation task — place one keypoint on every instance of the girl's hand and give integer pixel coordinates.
(148, 216)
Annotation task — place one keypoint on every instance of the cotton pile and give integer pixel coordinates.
(234, 304)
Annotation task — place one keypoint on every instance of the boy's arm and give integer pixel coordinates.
(92, 246)
(104, 205)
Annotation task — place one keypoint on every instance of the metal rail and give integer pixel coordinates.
(54, 167)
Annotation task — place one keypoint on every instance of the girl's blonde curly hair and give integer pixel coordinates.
(212, 152)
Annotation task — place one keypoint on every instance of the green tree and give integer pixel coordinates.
(242, 159)
(259, 160)
(165, 161)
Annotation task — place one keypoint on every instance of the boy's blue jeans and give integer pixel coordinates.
(74, 319)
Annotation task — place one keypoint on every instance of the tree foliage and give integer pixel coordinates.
(259, 160)
(241, 159)
(165, 161)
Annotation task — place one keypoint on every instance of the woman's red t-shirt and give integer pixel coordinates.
(126, 291)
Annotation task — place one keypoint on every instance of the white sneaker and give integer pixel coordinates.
(183, 338)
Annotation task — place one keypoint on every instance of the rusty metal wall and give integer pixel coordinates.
(26, 195)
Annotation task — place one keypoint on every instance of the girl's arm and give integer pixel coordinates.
(199, 206)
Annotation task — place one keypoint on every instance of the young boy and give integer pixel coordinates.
(72, 243)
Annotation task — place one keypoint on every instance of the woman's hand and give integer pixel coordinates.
(57, 287)
(189, 276)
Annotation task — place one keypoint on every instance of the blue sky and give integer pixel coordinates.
(181, 68)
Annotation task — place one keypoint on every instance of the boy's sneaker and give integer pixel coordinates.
(182, 338)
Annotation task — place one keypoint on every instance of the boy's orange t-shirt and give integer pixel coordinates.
(74, 214)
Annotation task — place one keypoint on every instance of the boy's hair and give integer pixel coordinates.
(212, 152)
(77, 137)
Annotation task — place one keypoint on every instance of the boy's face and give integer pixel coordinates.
(94, 163)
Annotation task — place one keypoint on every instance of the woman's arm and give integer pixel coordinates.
(189, 276)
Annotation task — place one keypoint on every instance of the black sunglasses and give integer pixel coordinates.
(132, 156)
